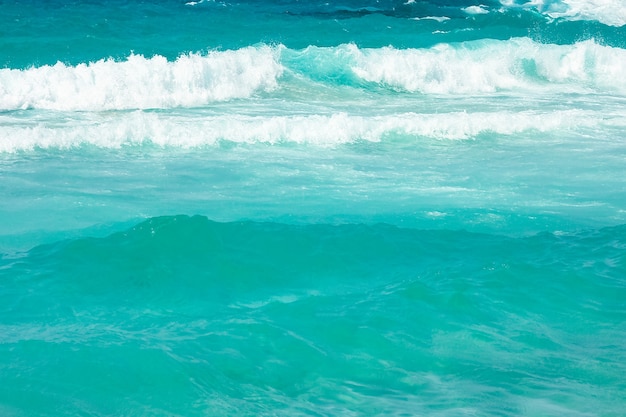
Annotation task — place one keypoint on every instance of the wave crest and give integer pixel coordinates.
(483, 67)
(518, 66)
(141, 83)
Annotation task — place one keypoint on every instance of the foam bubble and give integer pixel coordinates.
(163, 129)
(141, 83)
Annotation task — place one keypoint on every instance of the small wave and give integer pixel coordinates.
(213, 249)
(476, 10)
(439, 19)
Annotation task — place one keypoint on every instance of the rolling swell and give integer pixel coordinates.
(248, 317)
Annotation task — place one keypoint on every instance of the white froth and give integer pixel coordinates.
(164, 129)
(609, 12)
(484, 67)
(194, 80)
(142, 83)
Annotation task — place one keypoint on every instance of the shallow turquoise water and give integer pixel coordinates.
(286, 208)
(186, 316)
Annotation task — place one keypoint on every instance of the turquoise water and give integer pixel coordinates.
(285, 208)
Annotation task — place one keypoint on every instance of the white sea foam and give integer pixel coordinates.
(195, 80)
(609, 12)
(490, 66)
(114, 130)
(140, 83)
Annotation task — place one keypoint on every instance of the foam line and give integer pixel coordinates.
(139, 127)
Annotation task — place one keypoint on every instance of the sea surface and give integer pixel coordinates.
(313, 208)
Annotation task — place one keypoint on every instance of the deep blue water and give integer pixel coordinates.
(313, 208)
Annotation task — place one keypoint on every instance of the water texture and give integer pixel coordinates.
(285, 208)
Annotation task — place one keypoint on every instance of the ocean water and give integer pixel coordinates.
(289, 208)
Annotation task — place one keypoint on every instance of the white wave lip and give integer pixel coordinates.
(139, 127)
(484, 67)
(608, 12)
(142, 83)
